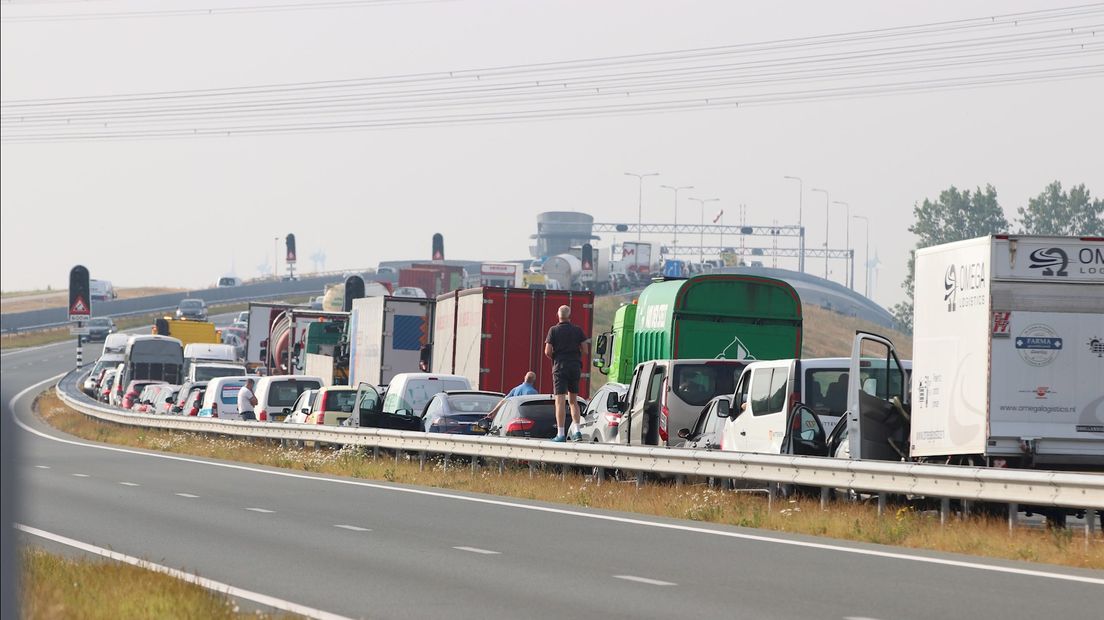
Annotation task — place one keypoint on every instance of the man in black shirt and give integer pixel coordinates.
(566, 345)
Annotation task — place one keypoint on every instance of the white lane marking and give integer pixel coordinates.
(130, 484)
(188, 495)
(42, 467)
(838, 548)
(203, 582)
(353, 528)
(651, 582)
(858, 618)
(80, 475)
(478, 550)
(261, 510)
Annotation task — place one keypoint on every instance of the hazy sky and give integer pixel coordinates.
(182, 212)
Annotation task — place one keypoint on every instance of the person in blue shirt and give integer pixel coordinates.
(527, 387)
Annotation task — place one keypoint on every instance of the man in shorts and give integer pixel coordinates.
(566, 345)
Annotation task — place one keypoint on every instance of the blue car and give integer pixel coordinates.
(455, 411)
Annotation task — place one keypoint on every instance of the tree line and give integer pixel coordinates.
(964, 214)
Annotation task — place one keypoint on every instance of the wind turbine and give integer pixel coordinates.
(872, 264)
(319, 260)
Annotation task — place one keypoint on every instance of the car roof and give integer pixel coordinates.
(472, 392)
(337, 388)
(533, 398)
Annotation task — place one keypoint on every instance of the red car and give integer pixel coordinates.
(133, 389)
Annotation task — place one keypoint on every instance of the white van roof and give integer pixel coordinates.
(210, 351)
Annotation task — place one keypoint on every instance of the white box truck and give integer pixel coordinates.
(1008, 352)
(386, 335)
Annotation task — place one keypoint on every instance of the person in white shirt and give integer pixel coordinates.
(247, 401)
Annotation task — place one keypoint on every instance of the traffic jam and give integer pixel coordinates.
(707, 362)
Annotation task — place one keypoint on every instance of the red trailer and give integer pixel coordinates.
(493, 336)
(432, 278)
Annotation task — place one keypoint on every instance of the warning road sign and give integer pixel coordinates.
(79, 307)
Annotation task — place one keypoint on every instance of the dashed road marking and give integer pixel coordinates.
(130, 484)
(80, 475)
(261, 510)
(188, 495)
(42, 467)
(478, 550)
(651, 582)
(353, 528)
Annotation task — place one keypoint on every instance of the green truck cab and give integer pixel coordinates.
(710, 316)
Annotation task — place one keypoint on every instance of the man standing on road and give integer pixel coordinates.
(527, 386)
(566, 345)
(247, 401)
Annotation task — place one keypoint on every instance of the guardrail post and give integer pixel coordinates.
(1013, 515)
(680, 480)
(881, 504)
(824, 498)
(601, 477)
(475, 465)
(375, 453)
(532, 469)
(421, 460)
(639, 479)
(501, 466)
(1090, 525)
(944, 510)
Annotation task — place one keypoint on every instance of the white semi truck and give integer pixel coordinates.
(1008, 359)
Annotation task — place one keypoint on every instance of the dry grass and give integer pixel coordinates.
(21, 301)
(850, 521)
(56, 587)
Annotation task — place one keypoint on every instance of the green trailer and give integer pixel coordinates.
(710, 316)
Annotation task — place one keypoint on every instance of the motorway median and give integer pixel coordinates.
(903, 526)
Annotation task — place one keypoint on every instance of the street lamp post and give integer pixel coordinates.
(676, 189)
(866, 256)
(640, 199)
(848, 240)
(275, 257)
(827, 204)
(701, 243)
(801, 229)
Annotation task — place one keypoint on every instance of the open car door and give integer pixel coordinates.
(805, 434)
(369, 412)
(878, 415)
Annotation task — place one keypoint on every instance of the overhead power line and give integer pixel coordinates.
(1057, 44)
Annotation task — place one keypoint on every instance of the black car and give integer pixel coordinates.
(192, 309)
(532, 417)
(100, 327)
(368, 413)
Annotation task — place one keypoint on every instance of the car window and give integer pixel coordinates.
(471, 403)
(638, 386)
(696, 384)
(702, 422)
(779, 380)
(715, 423)
(228, 393)
(284, 393)
(760, 390)
(340, 400)
(600, 397)
(435, 407)
(826, 391)
(419, 391)
(655, 384)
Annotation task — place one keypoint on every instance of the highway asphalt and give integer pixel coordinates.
(358, 548)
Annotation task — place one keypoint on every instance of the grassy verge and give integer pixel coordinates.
(49, 336)
(850, 521)
(58, 587)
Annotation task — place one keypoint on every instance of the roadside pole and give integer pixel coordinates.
(80, 343)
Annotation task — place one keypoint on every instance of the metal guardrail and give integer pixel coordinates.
(1028, 487)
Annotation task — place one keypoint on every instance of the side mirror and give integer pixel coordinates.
(613, 402)
(684, 433)
(169, 399)
(600, 345)
(723, 409)
(304, 410)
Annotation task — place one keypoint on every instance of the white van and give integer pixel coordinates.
(767, 393)
(225, 281)
(220, 355)
(277, 394)
(205, 371)
(221, 398)
(409, 392)
(115, 344)
(101, 290)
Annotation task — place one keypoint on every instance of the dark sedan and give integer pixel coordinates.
(456, 411)
(532, 417)
(194, 309)
(100, 327)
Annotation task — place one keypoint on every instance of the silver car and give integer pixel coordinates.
(598, 423)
